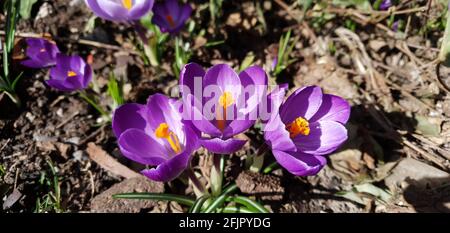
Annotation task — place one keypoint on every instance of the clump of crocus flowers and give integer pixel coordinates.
(218, 104)
(67, 73)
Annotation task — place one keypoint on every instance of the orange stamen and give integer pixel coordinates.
(299, 126)
(170, 20)
(163, 131)
(225, 100)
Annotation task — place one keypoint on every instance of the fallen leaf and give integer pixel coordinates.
(107, 162)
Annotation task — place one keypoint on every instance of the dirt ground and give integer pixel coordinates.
(397, 158)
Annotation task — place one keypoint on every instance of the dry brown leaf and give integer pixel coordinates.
(105, 161)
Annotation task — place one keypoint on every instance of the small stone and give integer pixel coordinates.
(105, 203)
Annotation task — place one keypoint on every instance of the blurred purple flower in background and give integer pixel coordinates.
(120, 10)
(309, 124)
(70, 73)
(385, 5)
(170, 16)
(232, 110)
(155, 134)
(395, 26)
(41, 53)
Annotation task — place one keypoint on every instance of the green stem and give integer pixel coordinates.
(157, 196)
(96, 106)
(221, 199)
(270, 167)
(195, 181)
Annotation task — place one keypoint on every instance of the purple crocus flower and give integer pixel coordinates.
(395, 25)
(41, 53)
(385, 5)
(308, 125)
(155, 134)
(70, 73)
(231, 110)
(120, 10)
(170, 16)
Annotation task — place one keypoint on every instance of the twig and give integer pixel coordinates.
(68, 119)
(6, 143)
(302, 22)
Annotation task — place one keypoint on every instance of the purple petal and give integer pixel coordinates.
(129, 116)
(60, 85)
(254, 80)
(136, 145)
(41, 53)
(161, 22)
(173, 167)
(277, 137)
(198, 119)
(225, 78)
(187, 78)
(272, 103)
(32, 63)
(236, 127)
(173, 9)
(385, 5)
(333, 108)
(300, 164)
(324, 138)
(87, 76)
(162, 109)
(303, 102)
(219, 146)
(109, 10)
(140, 9)
(253, 75)
(185, 13)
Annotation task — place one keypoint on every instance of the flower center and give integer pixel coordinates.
(163, 132)
(298, 126)
(170, 20)
(225, 100)
(127, 4)
(71, 73)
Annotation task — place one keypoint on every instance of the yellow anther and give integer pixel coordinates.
(171, 21)
(226, 99)
(163, 132)
(127, 4)
(71, 73)
(298, 126)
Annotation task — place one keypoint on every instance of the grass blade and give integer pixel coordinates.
(197, 207)
(249, 203)
(236, 209)
(221, 199)
(157, 196)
